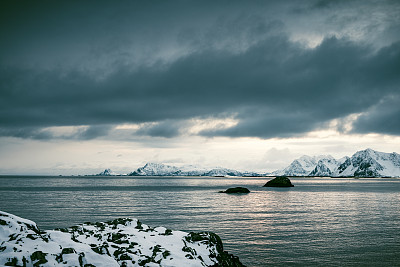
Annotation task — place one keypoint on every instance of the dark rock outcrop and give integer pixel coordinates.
(223, 257)
(280, 181)
(236, 190)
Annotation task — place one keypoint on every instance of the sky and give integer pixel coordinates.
(248, 85)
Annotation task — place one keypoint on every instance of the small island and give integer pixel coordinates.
(280, 181)
(236, 190)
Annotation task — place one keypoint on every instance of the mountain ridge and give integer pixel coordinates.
(363, 163)
(159, 169)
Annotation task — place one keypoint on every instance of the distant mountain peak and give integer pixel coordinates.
(107, 172)
(303, 166)
(153, 164)
(155, 169)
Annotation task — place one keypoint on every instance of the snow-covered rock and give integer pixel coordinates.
(121, 242)
(365, 163)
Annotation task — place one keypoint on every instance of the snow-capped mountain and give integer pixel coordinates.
(121, 242)
(191, 170)
(327, 166)
(158, 169)
(107, 172)
(222, 172)
(371, 163)
(305, 165)
(365, 163)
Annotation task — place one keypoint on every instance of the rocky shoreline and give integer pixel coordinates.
(121, 242)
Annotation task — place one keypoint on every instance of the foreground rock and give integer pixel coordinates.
(122, 242)
(280, 181)
(236, 190)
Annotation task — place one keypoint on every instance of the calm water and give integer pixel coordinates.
(324, 222)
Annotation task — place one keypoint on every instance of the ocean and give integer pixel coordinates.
(319, 222)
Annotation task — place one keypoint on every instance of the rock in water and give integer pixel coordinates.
(236, 190)
(280, 181)
(121, 242)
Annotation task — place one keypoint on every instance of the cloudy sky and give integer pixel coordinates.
(88, 85)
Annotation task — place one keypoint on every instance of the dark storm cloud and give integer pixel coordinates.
(26, 133)
(91, 132)
(38, 133)
(165, 128)
(269, 125)
(332, 81)
(381, 118)
(161, 65)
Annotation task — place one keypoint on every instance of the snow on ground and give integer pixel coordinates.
(122, 242)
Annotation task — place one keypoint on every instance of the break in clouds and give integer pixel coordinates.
(277, 69)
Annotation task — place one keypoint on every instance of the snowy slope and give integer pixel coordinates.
(321, 170)
(222, 172)
(122, 242)
(326, 166)
(156, 169)
(302, 166)
(191, 170)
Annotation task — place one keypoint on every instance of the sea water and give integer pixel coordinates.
(319, 222)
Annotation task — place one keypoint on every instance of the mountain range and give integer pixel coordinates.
(364, 163)
(158, 169)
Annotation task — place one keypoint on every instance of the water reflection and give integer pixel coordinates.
(318, 222)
